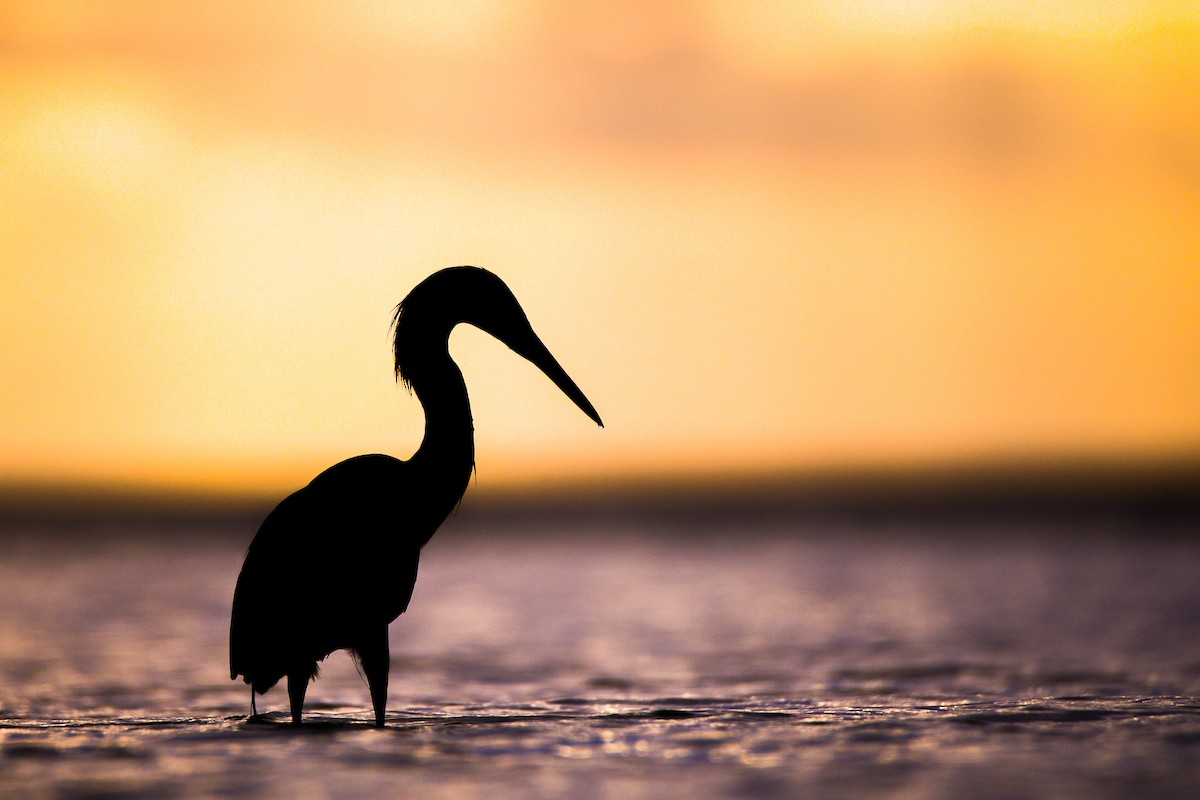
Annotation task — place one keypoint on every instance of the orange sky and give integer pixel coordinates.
(809, 233)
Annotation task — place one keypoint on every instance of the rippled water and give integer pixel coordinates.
(986, 661)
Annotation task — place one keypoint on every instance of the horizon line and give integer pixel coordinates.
(1053, 480)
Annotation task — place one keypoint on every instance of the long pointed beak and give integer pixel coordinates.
(540, 356)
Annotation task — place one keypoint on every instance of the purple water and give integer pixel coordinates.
(753, 660)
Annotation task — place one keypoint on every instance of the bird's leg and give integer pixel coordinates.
(253, 706)
(297, 686)
(375, 659)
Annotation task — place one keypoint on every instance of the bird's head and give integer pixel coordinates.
(424, 319)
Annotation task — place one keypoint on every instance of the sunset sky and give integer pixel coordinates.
(757, 235)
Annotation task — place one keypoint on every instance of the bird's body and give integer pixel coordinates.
(336, 561)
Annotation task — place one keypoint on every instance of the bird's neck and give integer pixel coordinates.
(446, 456)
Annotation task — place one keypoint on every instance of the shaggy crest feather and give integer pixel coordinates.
(396, 329)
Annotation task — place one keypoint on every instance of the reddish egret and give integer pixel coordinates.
(335, 562)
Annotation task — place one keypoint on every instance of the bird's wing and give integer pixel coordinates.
(329, 562)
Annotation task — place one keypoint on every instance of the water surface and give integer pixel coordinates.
(750, 660)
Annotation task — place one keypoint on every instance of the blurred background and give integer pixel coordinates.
(769, 240)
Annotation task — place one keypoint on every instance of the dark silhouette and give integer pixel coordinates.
(335, 562)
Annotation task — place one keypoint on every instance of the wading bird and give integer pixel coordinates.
(335, 562)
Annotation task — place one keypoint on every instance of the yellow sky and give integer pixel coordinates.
(800, 234)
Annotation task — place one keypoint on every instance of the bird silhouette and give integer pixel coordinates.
(336, 561)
